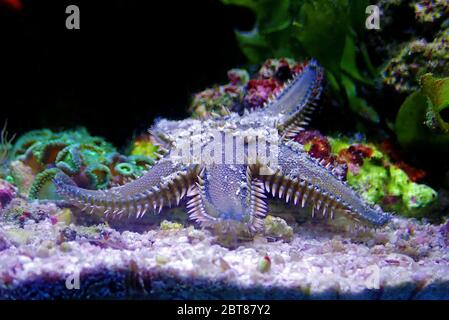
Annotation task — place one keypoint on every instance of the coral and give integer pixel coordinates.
(430, 10)
(381, 181)
(99, 175)
(144, 146)
(69, 160)
(264, 264)
(416, 59)
(43, 187)
(314, 143)
(371, 172)
(7, 193)
(277, 228)
(422, 52)
(245, 93)
(64, 216)
(90, 161)
(269, 81)
(167, 225)
(27, 140)
(124, 169)
(220, 99)
(259, 92)
(22, 176)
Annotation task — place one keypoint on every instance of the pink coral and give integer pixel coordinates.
(7, 193)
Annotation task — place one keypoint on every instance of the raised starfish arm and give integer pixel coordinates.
(297, 100)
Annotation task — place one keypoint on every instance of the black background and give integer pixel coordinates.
(131, 61)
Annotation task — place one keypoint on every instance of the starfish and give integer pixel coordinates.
(228, 167)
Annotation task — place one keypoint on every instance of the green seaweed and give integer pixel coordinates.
(328, 30)
(413, 130)
(437, 91)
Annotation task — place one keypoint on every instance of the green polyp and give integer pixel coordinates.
(91, 153)
(69, 160)
(125, 169)
(141, 160)
(27, 140)
(43, 187)
(99, 176)
(47, 152)
(141, 163)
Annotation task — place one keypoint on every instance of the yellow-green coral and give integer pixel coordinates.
(379, 181)
(168, 225)
(277, 228)
(144, 148)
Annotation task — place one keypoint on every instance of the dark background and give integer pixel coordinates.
(131, 61)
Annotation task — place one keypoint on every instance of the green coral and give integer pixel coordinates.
(369, 181)
(69, 160)
(220, 99)
(90, 161)
(378, 180)
(29, 139)
(277, 228)
(43, 187)
(99, 175)
(168, 226)
(144, 147)
(125, 169)
(430, 10)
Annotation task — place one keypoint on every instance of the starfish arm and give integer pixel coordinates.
(297, 100)
(305, 180)
(161, 185)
